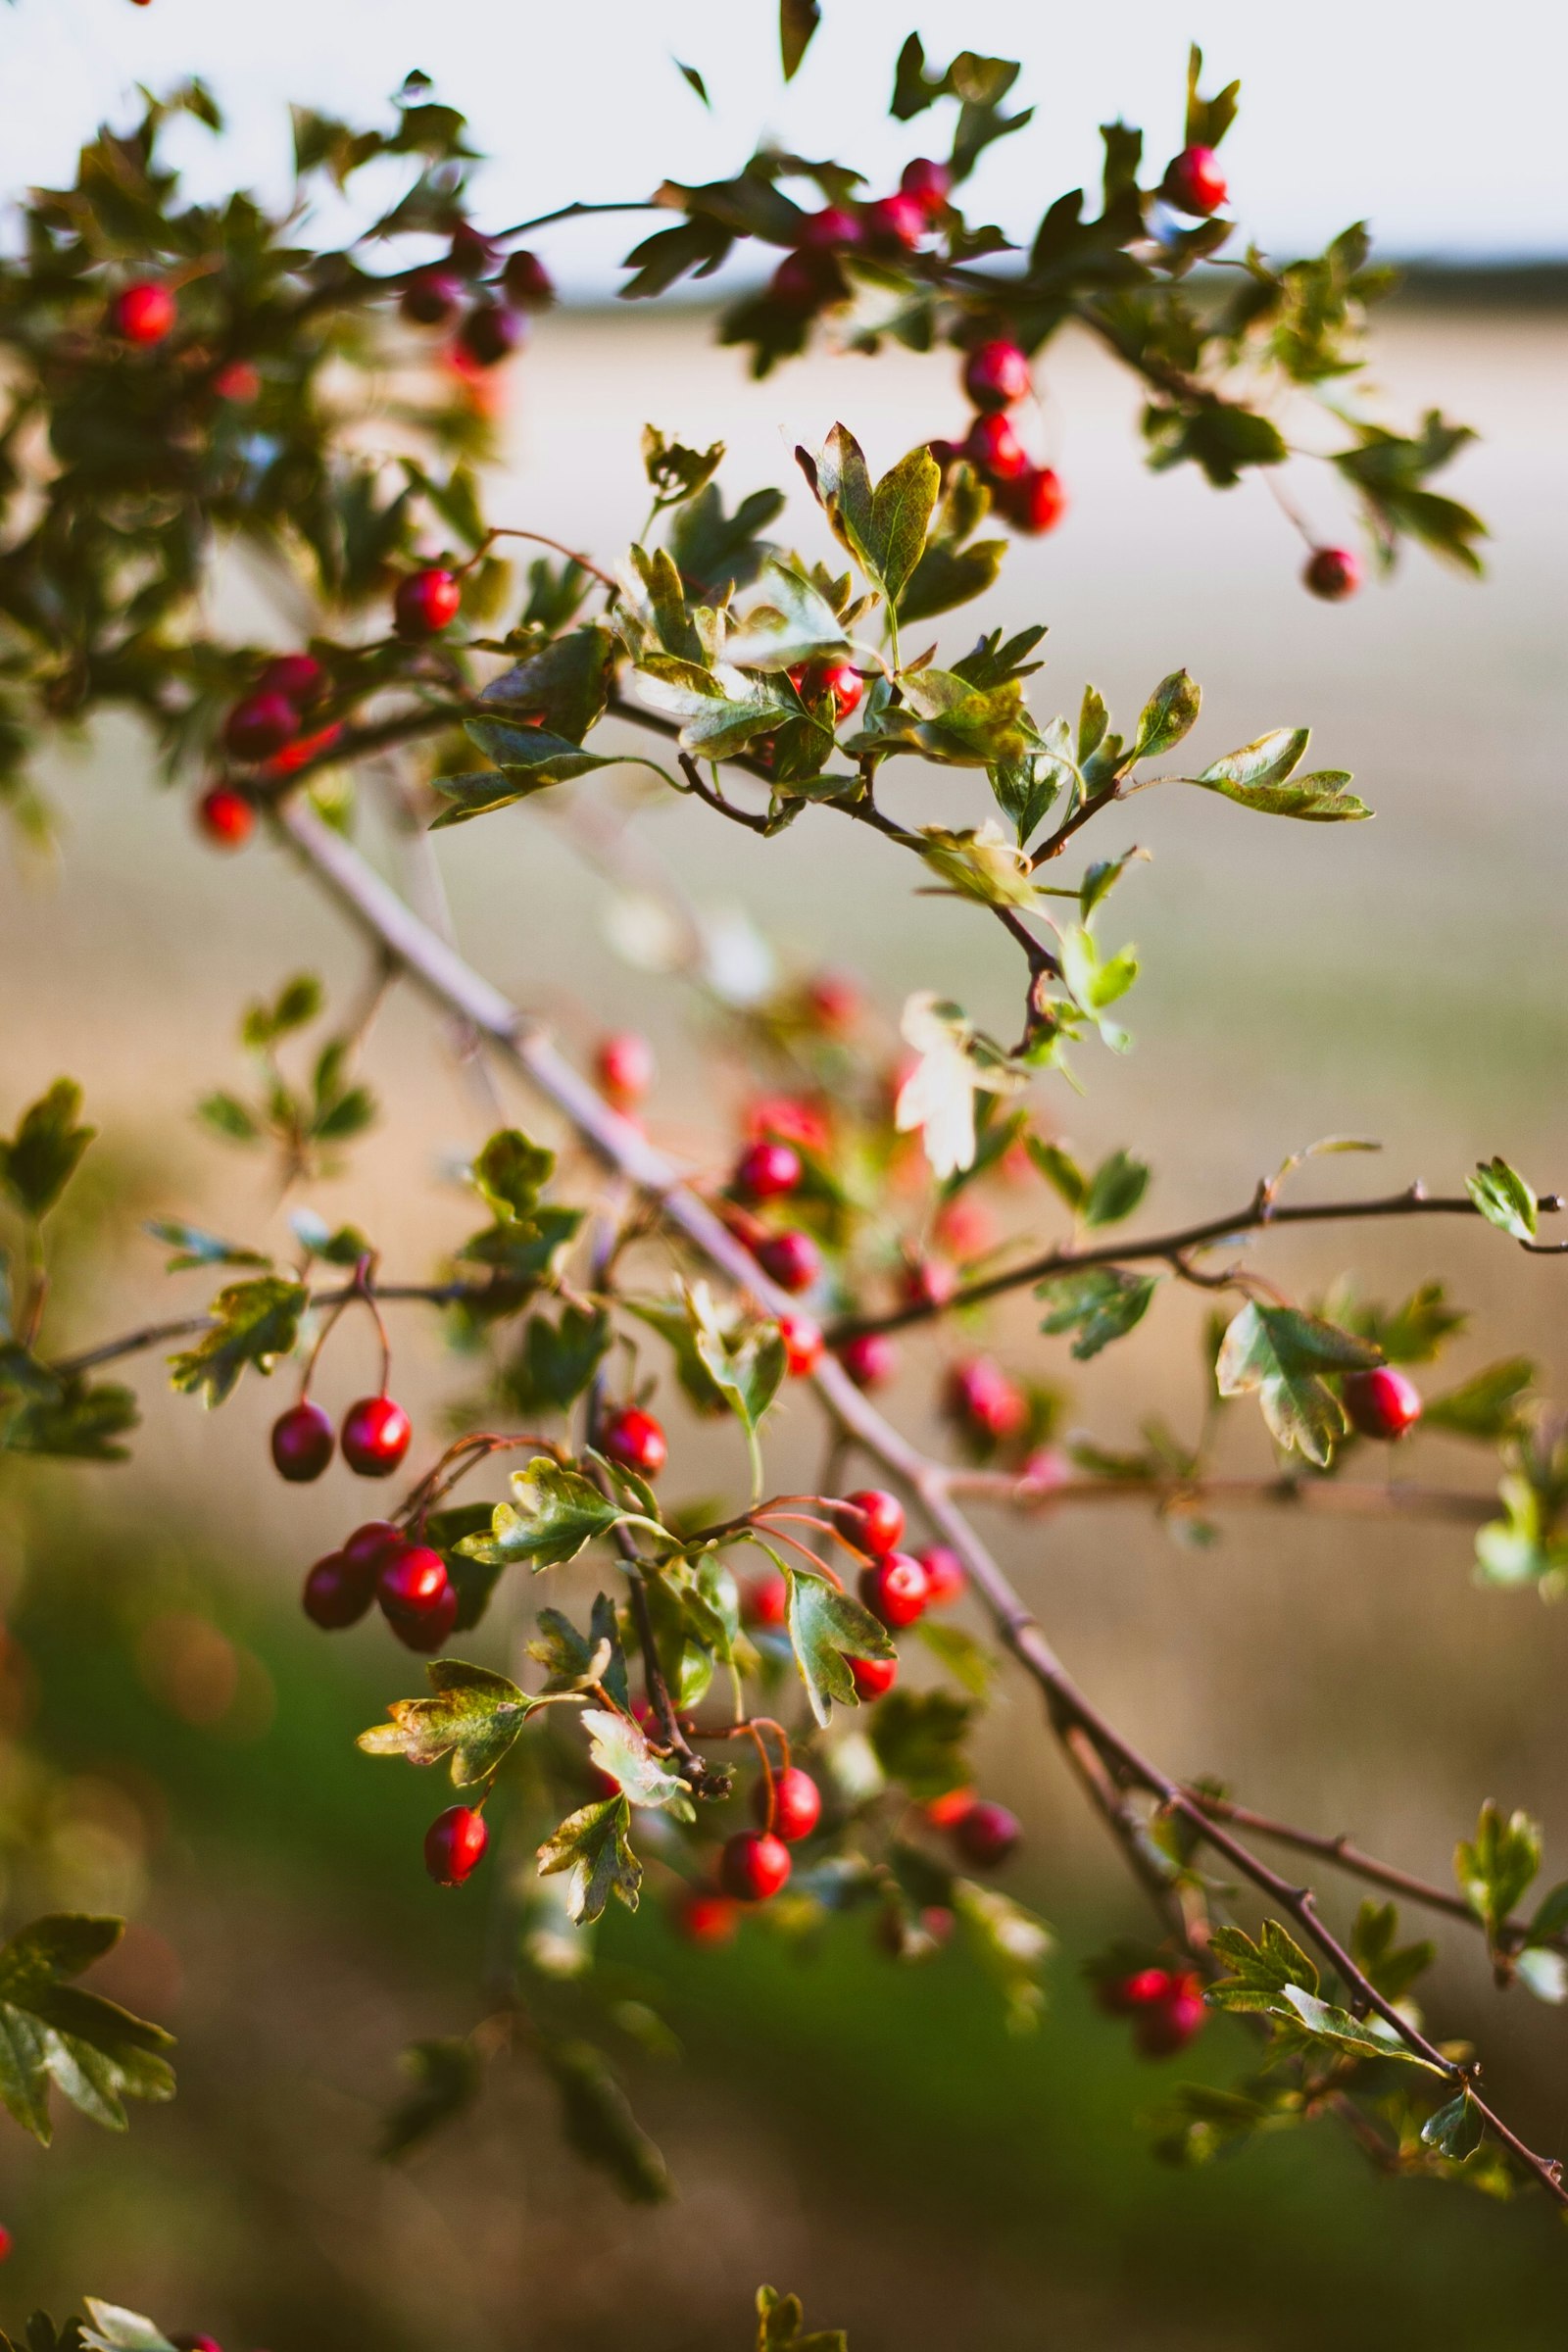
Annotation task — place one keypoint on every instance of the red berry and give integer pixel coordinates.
(337, 1594)
(1332, 573)
(302, 1443)
(5, 2245)
(947, 1811)
(237, 381)
(797, 1804)
(527, 283)
(411, 1582)
(873, 1519)
(624, 1066)
(1195, 183)
(143, 312)
(636, 1440)
(260, 725)
(894, 1590)
(987, 1835)
(830, 227)
(432, 299)
(427, 1634)
(790, 1259)
(708, 1918)
(372, 1544)
(871, 1359)
(815, 681)
(753, 1865)
(767, 1602)
(454, 1845)
(995, 374)
(426, 603)
(471, 254)
(928, 1283)
(766, 1171)
(980, 1396)
(994, 449)
(489, 334)
(1045, 1470)
(298, 677)
(1382, 1403)
(896, 220)
(805, 282)
(794, 1121)
(945, 453)
(1166, 2025)
(375, 1435)
(928, 182)
(1033, 501)
(873, 1678)
(225, 817)
(803, 1344)
(945, 1579)
(303, 748)
(190, 2343)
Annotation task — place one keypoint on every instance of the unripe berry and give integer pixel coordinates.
(143, 312)
(766, 1171)
(412, 1583)
(489, 334)
(873, 1678)
(928, 182)
(873, 1519)
(298, 677)
(1332, 573)
(432, 299)
(753, 1865)
(1195, 183)
(995, 374)
(767, 1602)
(986, 1835)
(526, 282)
(797, 1804)
(426, 603)
(804, 1345)
(302, 1443)
(790, 1259)
(894, 220)
(894, 1590)
(708, 1918)
(375, 1435)
(1033, 501)
(994, 449)
(225, 817)
(454, 1845)
(1383, 1402)
(260, 725)
(624, 1066)
(636, 1440)
(871, 1359)
(337, 1594)
(830, 227)
(945, 1579)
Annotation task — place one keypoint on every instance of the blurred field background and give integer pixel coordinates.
(870, 2138)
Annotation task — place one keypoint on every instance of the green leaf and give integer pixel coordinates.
(194, 1248)
(621, 1747)
(1280, 1355)
(1010, 1944)
(444, 2076)
(674, 471)
(918, 1739)
(1257, 777)
(1486, 1406)
(1219, 435)
(296, 1006)
(780, 2319)
(599, 2124)
(557, 1362)
(1503, 1198)
(746, 1362)
(1101, 1303)
(572, 1662)
(842, 481)
(901, 507)
(1262, 1973)
(229, 1118)
(73, 1420)
(1117, 1185)
(947, 576)
(1059, 1169)
(565, 684)
(1366, 2038)
(958, 1654)
(1456, 2131)
(1095, 981)
(473, 1717)
(112, 2329)
(1495, 1866)
(826, 1626)
(554, 1514)
(795, 624)
(254, 1323)
(720, 710)
(593, 1845)
(1171, 713)
(42, 1157)
(95, 2052)
(512, 1172)
(1551, 1915)
(980, 863)
(1392, 1967)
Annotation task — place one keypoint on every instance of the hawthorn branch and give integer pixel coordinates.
(189, 1327)
(1318, 1496)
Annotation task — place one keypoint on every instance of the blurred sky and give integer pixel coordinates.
(1443, 120)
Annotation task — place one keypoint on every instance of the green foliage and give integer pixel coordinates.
(592, 1844)
(52, 2031)
(1101, 1303)
(474, 1717)
(42, 1157)
(1281, 1356)
(555, 1513)
(599, 2124)
(919, 1737)
(826, 1626)
(254, 1323)
(1497, 1866)
(1503, 1198)
(781, 2326)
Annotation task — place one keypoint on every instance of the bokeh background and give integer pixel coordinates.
(873, 2138)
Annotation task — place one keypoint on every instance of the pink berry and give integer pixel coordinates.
(816, 681)
(797, 1804)
(894, 1590)
(871, 1359)
(411, 1582)
(471, 254)
(454, 1845)
(767, 1602)
(636, 1440)
(995, 374)
(753, 1865)
(873, 1678)
(298, 677)
(432, 299)
(1195, 183)
(426, 603)
(832, 226)
(624, 1066)
(1383, 1402)
(1332, 573)
(428, 1633)
(945, 1579)
(981, 1398)
(708, 1918)
(237, 380)
(375, 1435)
(225, 817)
(766, 1171)
(987, 1835)
(994, 449)
(303, 1439)
(526, 282)
(929, 183)
(260, 725)
(899, 220)
(806, 282)
(143, 312)
(790, 1259)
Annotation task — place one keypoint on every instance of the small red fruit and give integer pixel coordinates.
(428, 1633)
(337, 1594)
(835, 682)
(471, 254)
(5, 2245)
(894, 1590)
(832, 226)
(995, 374)
(454, 1845)
(980, 1396)
(1166, 2006)
(225, 817)
(709, 1918)
(412, 1583)
(929, 1281)
(804, 1345)
(375, 1435)
(624, 1066)
(143, 312)
(753, 1865)
(945, 453)
(489, 334)
(806, 282)
(928, 182)
(790, 1259)
(986, 1835)
(526, 282)
(636, 1440)
(298, 677)
(873, 1678)
(871, 1359)
(261, 726)
(302, 1443)
(1195, 183)
(899, 220)
(1383, 1402)
(994, 449)
(1332, 573)
(945, 1579)
(432, 299)
(947, 1811)
(767, 1602)
(239, 382)
(190, 2343)
(873, 1519)
(426, 603)
(766, 1171)
(1045, 1470)
(1034, 501)
(797, 1804)
(372, 1544)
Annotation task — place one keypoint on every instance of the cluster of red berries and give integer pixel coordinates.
(489, 326)
(812, 275)
(754, 1864)
(405, 1579)
(995, 377)
(374, 1439)
(897, 1587)
(267, 730)
(1165, 2005)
